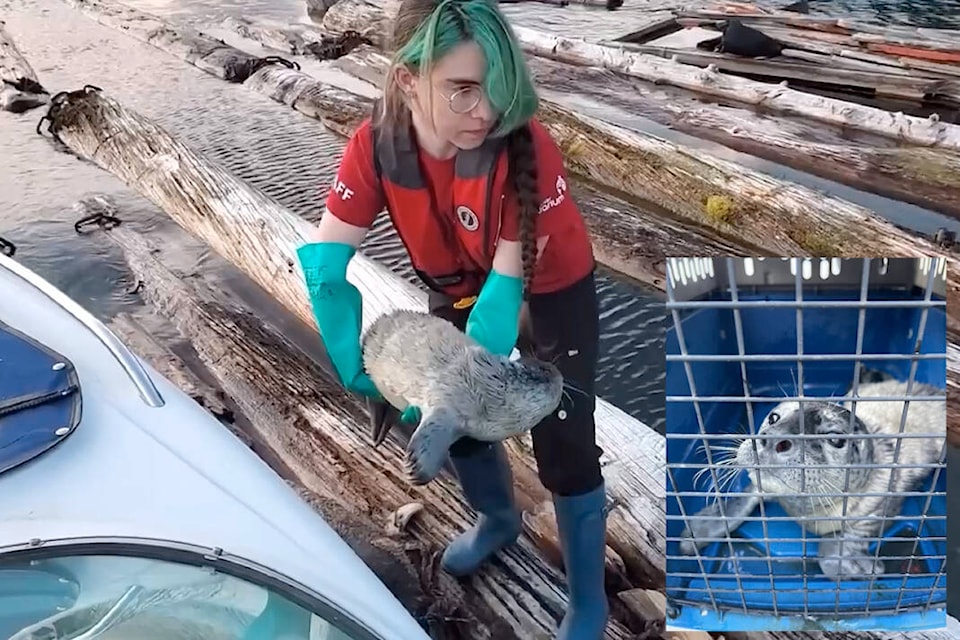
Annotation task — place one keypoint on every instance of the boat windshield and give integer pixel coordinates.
(82, 597)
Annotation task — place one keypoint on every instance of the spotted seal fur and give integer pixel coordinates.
(837, 447)
(461, 388)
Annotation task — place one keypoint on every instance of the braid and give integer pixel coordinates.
(523, 171)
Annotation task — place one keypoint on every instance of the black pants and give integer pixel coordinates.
(563, 329)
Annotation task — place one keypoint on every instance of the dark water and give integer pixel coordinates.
(937, 14)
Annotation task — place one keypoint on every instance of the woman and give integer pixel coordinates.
(477, 192)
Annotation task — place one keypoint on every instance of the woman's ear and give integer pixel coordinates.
(406, 81)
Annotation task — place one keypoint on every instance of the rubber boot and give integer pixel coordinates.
(487, 485)
(582, 524)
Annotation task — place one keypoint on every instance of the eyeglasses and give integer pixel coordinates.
(464, 100)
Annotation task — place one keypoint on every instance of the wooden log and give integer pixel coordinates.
(923, 131)
(308, 421)
(132, 332)
(918, 175)
(353, 14)
(20, 90)
(881, 83)
(260, 237)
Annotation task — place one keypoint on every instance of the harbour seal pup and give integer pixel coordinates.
(461, 388)
(831, 420)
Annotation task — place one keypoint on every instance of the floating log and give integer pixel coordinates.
(354, 14)
(168, 364)
(880, 82)
(918, 175)
(301, 39)
(20, 90)
(260, 237)
(310, 423)
(779, 97)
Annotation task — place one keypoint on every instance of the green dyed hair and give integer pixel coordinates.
(425, 30)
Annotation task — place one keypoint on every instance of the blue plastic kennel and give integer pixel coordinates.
(737, 591)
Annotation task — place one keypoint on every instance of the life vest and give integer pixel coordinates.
(436, 243)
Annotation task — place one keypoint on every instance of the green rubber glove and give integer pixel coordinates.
(411, 415)
(493, 320)
(337, 308)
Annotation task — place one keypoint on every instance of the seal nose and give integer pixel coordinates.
(783, 446)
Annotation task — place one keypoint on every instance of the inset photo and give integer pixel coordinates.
(806, 429)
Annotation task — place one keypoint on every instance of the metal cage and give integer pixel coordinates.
(733, 353)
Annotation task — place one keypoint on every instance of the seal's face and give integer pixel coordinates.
(536, 388)
(807, 465)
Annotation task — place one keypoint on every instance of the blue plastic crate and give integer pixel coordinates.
(772, 330)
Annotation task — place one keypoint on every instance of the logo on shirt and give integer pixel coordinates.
(467, 218)
(342, 190)
(550, 202)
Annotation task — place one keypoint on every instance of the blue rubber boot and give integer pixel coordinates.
(487, 484)
(582, 524)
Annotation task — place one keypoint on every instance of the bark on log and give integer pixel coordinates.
(259, 237)
(349, 14)
(20, 90)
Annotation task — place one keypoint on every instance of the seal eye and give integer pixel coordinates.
(773, 418)
(837, 443)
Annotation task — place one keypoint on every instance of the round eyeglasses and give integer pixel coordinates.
(465, 99)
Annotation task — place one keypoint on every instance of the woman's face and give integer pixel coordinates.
(452, 99)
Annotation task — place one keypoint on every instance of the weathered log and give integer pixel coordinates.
(880, 81)
(918, 175)
(20, 90)
(317, 8)
(348, 14)
(260, 237)
(307, 420)
(301, 39)
(169, 365)
(779, 97)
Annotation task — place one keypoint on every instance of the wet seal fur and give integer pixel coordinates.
(461, 388)
(852, 559)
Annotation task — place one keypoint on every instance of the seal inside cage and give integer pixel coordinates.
(769, 566)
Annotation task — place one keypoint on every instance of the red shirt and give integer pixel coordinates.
(356, 198)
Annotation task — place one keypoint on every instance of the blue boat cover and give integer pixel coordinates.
(39, 398)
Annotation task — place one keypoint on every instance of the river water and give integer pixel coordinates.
(289, 156)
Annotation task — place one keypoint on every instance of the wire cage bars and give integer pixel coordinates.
(792, 502)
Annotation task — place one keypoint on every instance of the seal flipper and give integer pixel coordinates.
(383, 417)
(427, 450)
(735, 508)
